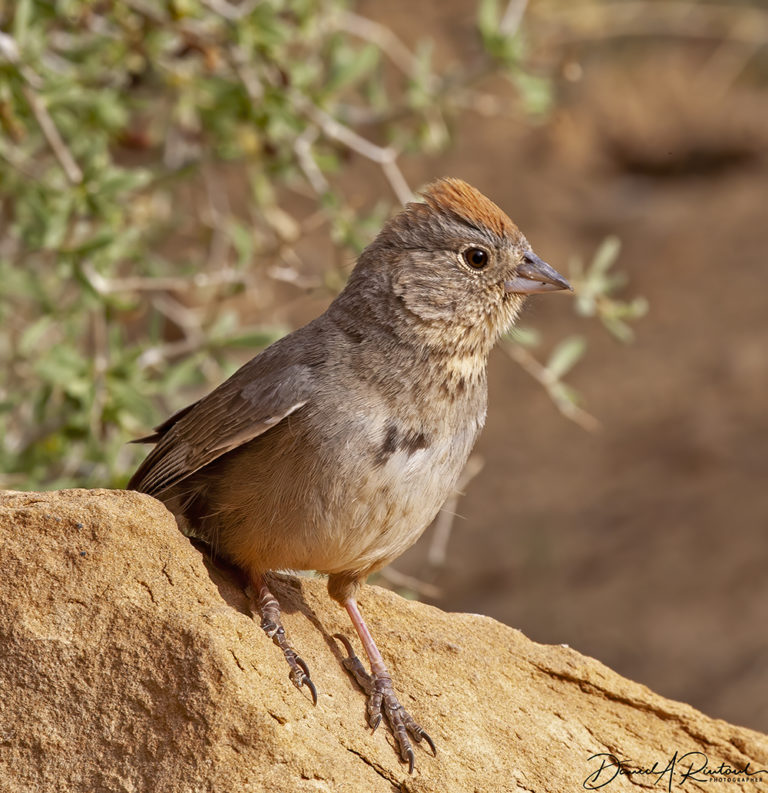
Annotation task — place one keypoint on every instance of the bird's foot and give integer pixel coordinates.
(272, 625)
(382, 701)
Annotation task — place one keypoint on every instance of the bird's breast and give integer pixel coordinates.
(345, 484)
(386, 497)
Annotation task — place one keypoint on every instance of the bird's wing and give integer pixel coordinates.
(257, 397)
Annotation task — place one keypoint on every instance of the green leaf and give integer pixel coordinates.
(182, 374)
(606, 255)
(535, 92)
(255, 338)
(565, 356)
(100, 239)
(63, 367)
(21, 21)
(619, 329)
(352, 68)
(525, 336)
(33, 335)
(488, 18)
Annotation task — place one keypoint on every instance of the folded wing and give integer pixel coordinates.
(257, 397)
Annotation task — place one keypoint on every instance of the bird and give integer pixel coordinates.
(334, 448)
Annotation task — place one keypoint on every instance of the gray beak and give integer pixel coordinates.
(535, 275)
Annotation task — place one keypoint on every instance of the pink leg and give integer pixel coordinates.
(371, 650)
(378, 686)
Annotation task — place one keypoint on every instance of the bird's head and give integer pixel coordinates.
(455, 267)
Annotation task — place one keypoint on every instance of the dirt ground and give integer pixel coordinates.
(643, 544)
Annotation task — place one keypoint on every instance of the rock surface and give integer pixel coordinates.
(127, 663)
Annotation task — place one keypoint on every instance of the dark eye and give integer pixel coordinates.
(476, 258)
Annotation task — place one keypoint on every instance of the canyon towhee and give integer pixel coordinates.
(333, 449)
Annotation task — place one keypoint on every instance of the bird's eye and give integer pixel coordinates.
(476, 258)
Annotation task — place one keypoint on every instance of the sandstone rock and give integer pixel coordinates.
(128, 664)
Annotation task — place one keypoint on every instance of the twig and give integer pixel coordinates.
(245, 73)
(381, 36)
(177, 151)
(107, 286)
(338, 131)
(194, 339)
(725, 65)
(217, 208)
(397, 181)
(230, 12)
(179, 314)
(513, 16)
(385, 156)
(165, 352)
(398, 579)
(542, 375)
(100, 365)
(315, 221)
(303, 149)
(670, 18)
(290, 275)
(9, 49)
(438, 548)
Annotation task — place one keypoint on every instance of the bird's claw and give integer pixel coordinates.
(382, 700)
(299, 674)
(271, 624)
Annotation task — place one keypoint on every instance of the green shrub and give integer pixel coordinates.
(119, 120)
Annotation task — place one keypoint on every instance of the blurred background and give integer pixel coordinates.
(181, 183)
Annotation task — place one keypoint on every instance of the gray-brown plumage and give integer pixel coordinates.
(335, 448)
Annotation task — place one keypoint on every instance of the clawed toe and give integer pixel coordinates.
(382, 701)
(299, 675)
(423, 734)
(271, 624)
(354, 665)
(402, 723)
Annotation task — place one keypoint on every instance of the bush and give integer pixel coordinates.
(121, 255)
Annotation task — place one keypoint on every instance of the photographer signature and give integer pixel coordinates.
(693, 766)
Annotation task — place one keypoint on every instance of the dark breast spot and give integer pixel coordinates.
(394, 440)
(390, 441)
(413, 441)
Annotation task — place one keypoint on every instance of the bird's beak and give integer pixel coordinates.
(535, 275)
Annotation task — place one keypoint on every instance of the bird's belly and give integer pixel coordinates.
(350, 512)
(386, 508)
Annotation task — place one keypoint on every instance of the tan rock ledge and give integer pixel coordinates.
(128, 665)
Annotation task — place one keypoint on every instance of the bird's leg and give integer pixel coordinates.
(378, 686)
(272, 624)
